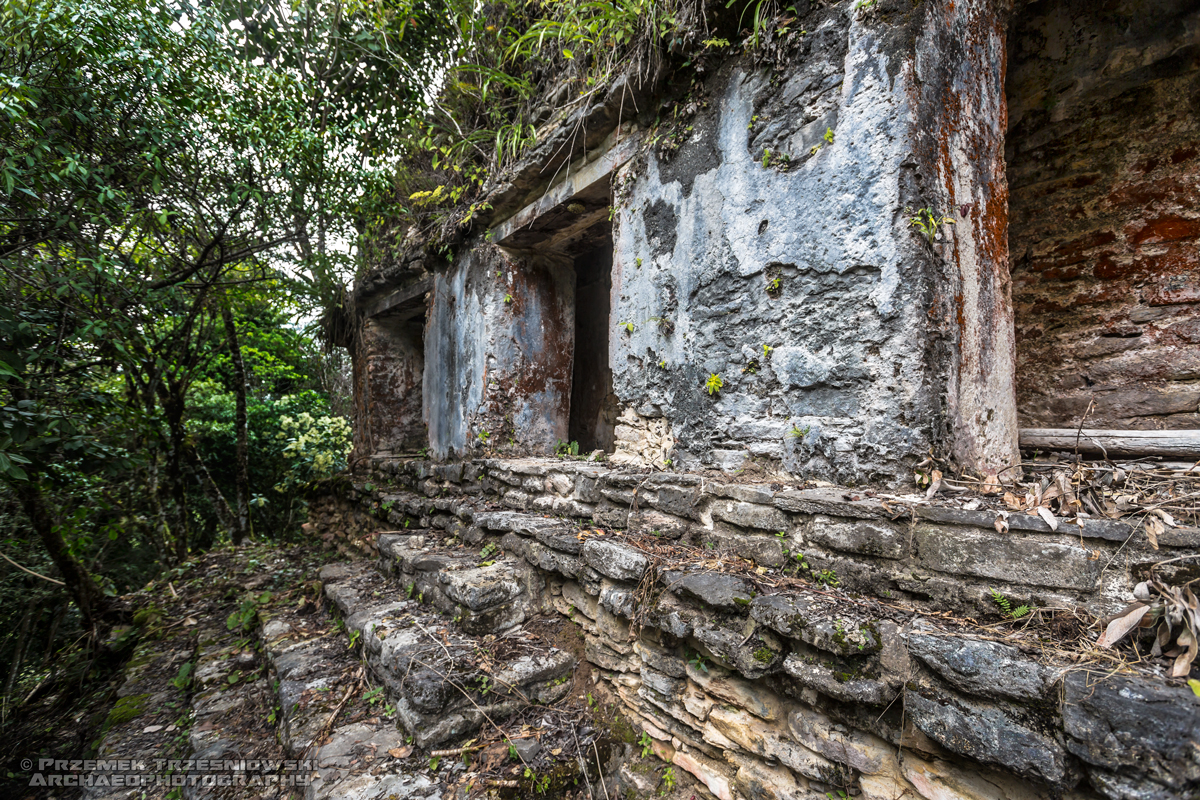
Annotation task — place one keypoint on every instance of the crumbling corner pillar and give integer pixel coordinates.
(960, 125)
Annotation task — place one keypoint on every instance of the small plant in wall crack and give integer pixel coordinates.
(927, 222)
(713, 384)
(1005, 605)
(752, 367)
(797, 432)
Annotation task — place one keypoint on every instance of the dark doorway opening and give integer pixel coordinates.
(593, 405)
(395, 374)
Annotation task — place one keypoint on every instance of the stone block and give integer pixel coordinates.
(715, 589)
(986, 733)
(452, 472)
(749, 515)
(481, 587)
(587, 489)
(515, 499)
(678, 501)
(550, 560)
(745, 492)
(863, 752)
(729, 688)
(786, 614)
(617, 561)
(761, 781)
(975, 666)
(660, 658)
(837, 684)
(617, 599)
(656, 522)
(867, 537)
(559, 483)
(1110, 529)
(761, 548)
(750, 650)
(1012, 559)
(1134, 727)
(831, 502)
(770, 741)
(609, 515)
(714, 775)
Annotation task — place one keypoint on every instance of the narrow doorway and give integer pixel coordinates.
(593, 405)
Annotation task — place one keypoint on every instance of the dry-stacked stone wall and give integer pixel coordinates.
(870, 676)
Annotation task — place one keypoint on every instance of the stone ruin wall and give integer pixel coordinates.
(1104, 177)
(1078, 155)
(763, 690)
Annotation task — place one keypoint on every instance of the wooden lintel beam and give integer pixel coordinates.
(399, 297)
(1183, 444)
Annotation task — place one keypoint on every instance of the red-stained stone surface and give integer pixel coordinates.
(1103, 158)
(388, 366)
(961, 124)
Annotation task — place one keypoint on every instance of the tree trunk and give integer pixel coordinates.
(54, 624)
(87, 595)
(18, 655)
(213, 493)
(173, 405)
(241, 427)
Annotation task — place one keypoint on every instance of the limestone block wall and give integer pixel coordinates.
(764, 687)
(1104, 168)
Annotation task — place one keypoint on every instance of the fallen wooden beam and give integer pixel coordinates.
(1126, 444)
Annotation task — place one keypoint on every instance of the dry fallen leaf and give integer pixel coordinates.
(1120, 627)
(1001, 523)
(935, 484)
(1153, 528)
(401, 752)
(1048, 517)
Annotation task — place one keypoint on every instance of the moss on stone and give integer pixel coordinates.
(127, 708)
(764, 655)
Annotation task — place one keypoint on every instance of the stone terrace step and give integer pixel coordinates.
(485, 595)
(356, 752)
(445, 682)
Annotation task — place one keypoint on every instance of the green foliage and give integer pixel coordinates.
(927, 222)
(1005, 605)
(713, 384)
(565, 449)
(646, 743)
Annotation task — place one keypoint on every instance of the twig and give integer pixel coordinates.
(582, 762)
(327, 728)
(31, 572)
(600, 770)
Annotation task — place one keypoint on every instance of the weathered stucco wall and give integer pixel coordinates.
(500, 341)
(1104, 168)
(755, 195)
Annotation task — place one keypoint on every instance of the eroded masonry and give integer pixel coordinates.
(942, 231)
